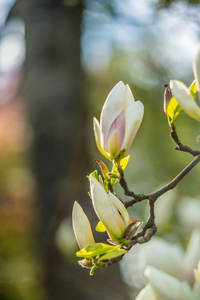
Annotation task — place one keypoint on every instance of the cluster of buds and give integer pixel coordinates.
(120, 120)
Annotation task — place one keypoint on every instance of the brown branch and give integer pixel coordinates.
(110, 188)
(150, 229)
(109, 262)
(153, 196)
(180, 146)
(175, 181)
(127, 192)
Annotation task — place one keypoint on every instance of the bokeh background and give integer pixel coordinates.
(58, 62)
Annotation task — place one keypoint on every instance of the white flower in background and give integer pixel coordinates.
(163, 286)
(188, 213)
(197, 272)
(110, 211)
(184, 96)
(147, 293)
(186, 210)
(81, 226)
(164, 256)
(120, 120)
(65, 239)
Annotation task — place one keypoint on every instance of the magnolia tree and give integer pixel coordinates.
(120, 120)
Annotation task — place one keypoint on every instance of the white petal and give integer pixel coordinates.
(81, 226)
(98, 137)
(147, 293)
(167, 286)
(185, 99)
(128, 96)
(196, 290)
(164, 256)
(196, 68)
(133, 119)
(112, 107)
(105, 210)
(188, 213)
(120, 207)
(192, 255)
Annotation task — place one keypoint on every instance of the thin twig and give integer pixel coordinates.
(127, 192)
(175, 181)
(150, 228)
(180, 146)
(158, 193)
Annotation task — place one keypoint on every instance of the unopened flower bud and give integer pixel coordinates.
(120, 120)
(167, 96)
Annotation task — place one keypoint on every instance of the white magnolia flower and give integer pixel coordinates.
(197, 272)
(110, 211)
(168, 258)
(163, 286)
(188, 213)
(120, 120)
(81, 226)
(183, 94)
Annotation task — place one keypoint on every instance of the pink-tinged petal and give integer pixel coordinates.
(98, 138)
(196, 68)
(185, 99)
(106, 211)
(81, 227)
(133, 117)
(128, 96)
(116, 135)
(112, 107)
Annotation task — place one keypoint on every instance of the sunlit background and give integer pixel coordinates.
(47, 146)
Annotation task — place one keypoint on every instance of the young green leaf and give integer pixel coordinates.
(103, 167)
(112, 254)
(96, 249)
(193, 88)
(113, 175)
(173, 109)
(100, 227)
(105, 185)
(123, 163)
(94, 174)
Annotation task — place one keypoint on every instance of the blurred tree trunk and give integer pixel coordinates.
(56, 108)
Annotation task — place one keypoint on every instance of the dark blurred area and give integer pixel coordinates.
(58, 62)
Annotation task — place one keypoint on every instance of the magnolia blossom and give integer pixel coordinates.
(165, 263)
(183, 94)
(163, 286)
(110, 211)
(120, 120)
(81, 226)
